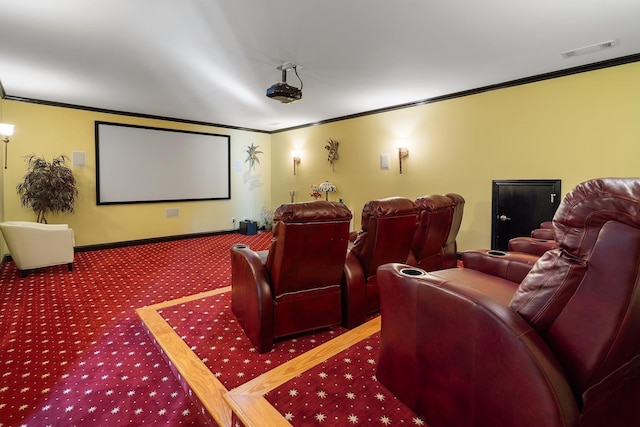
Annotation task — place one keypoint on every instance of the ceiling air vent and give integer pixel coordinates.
(589, 49)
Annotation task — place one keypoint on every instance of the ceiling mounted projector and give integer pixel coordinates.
(282, 91)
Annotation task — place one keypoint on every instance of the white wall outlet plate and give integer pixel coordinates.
(385, 161)
(172, 212)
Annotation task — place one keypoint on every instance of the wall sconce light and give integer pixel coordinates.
(402, 152)
(296, 160)
(6, 130)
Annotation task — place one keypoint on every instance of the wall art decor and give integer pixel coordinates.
(252, 158)
(332, 148)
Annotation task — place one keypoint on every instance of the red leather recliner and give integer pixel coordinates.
(438, 222)
(296, 286)
(545, 231)
(451, 245)
(388, 226)
(510, 266)
(464, 348)
(541, 240)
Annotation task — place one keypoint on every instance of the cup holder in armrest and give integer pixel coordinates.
(240, 246)
(541, 240)
(497, 253)
(413, 272)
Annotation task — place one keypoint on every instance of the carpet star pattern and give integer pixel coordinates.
(348, 379)
(72, 349)
(342, 390)
(217, 339)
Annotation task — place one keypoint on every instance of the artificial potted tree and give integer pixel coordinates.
(47, 186)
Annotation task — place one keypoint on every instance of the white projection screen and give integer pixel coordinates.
(137, 164)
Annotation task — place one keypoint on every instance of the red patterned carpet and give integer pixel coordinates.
(212, 332)
(341, 391)
(72, 349)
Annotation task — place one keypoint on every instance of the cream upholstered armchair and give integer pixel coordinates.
(34, 245)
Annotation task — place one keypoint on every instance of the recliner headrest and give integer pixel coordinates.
(589, 206)
(384, 208)
(456, 198)
(434, 202)
(317, 211)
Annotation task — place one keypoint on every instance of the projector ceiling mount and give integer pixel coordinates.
(282, 91)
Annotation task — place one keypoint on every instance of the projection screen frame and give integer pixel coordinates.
(176, 144)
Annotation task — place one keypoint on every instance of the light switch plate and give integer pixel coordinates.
(385, 162)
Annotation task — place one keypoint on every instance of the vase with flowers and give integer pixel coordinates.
(267, 218)
(315, 192)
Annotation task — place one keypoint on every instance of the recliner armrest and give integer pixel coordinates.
(530, 245)
(512, 266)
(251, 296)
(354, 297)
(543, 233)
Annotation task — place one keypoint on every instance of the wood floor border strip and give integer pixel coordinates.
(205, 386)
(246, 400)
(255, 411)
(288, 370)
(184, 300)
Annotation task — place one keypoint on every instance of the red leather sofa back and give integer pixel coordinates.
(450, 250)
(584, 297)
(438, 222)
(309, 246)
(435, 213)
(388, 226)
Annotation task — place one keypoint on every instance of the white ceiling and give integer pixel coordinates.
(212, 60)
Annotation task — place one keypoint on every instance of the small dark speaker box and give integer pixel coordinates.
(248, 227)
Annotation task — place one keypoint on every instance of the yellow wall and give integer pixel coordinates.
(572, 128)
(2, 244)
(51, 131)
